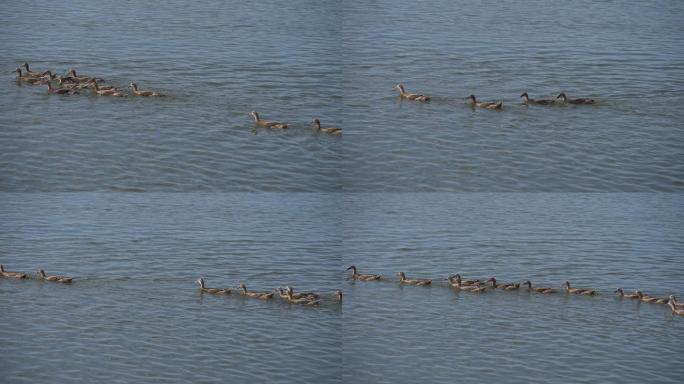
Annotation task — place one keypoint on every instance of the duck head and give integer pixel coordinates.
(561, 96)
(255, 115)
(472, 99)
(401, 275)
(317, 123)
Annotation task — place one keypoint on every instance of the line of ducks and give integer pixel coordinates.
(72, 84)
(40, 274)
(473, 102)
(287, 294)
(482, 286)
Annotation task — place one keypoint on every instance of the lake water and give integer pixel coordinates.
(134, 313)
(339, 61)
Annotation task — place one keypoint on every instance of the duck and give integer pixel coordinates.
(61, 91)
(674, 308)
(258, 295)
(213, 291)
(29, 72)
(311, 295)
(308, 300)
(55, 278)
(651, 299)
(266, 123)
(465, 282)
(143, 93)
(329, 130)
(486, 105)
(82, 79)
(410, 96)
(338, 295)
(505, 286)
(676, 303)
(13, 275)
(70, 85)
(28, 78)
(564, 99)
(109, 91)
(363, 276)
(621, 293)
(404, 280)
(527, 100)
(544, 290)
(456, 282)
(578, 291)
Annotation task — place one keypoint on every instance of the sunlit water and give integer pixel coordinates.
(134, 313)
(339, 61)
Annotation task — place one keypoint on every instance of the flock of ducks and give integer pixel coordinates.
(491, 284)
(455, 281)
(73, 84)
(561, 99)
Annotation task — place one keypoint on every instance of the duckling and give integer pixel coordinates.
(82, 79)
(303, 300)
(544, 290)
(363, 276)
(258, 295)
(109, 91)
(311, 295)
(527, 100)
(213, 291)
(486, 105)
(505, 286)
(651, 299)
(330, 130)
(674, 308)
(410, 96)
(13, 275)
(621, 293)
(143, 93)
(564, 99)
(266, 123)
(404, 280)
(338, 296)
(58, 279)
(578, 291)
(61, 91)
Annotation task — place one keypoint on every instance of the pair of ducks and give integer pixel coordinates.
(402, 277)
(471, 99)
(228, 291)
(278, 125)
(563, 100)
(41, 275)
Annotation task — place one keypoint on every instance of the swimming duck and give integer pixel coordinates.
(311, 295)
(258, 295)
(363, 276)
(13, 275)
(538, 289)
(404, 280)
(410, 96)
(82, 79)
(578, 291)
(564, 99)
(69, 85)
(303, 300)
(527, 100)
(143, 93)
(674, 308)
(486, 105)
(330, 130)
(338, 295)
(109, 91)
(456, 282)
(61, 91)
(465, 282)
(651, 299)
(621, 293)
(30, 72)
(213, 291)
(29, 79)
(266, 123)
(505, 286)
(58, 279)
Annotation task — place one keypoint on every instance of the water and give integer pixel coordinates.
(339, 61)
(134, 314)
